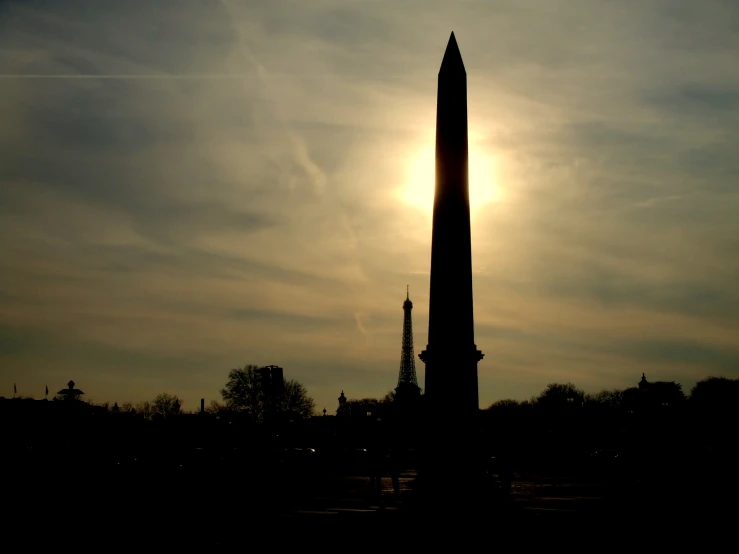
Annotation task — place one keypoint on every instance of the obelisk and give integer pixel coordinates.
(451, 356)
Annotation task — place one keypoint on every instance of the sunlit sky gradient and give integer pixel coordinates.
(190, 186)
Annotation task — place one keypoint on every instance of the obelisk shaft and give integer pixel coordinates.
(451, 355)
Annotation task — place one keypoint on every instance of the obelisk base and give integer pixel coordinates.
(452, 472)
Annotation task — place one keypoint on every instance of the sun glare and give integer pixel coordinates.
(419, 187)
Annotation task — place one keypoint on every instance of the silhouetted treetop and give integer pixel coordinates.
(246, 393)
(559, 395)
(715, 395)
(508, 407)
(166, 405)
(242, 391)
(610, 399)
(505, 404)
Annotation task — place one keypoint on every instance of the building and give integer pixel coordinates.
(271, 378)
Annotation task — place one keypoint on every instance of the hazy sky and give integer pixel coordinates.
(189, 186)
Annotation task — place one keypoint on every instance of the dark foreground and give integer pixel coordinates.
(107, 504)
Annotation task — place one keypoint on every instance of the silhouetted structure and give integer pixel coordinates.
(342, 410)
(70, 393)
(451, 356)
(407, 381)
(272, 379)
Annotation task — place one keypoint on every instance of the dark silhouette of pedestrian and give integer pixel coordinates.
(393, 459)
(375, 458)
(505, 474)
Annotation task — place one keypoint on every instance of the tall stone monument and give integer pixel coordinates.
(451, 356)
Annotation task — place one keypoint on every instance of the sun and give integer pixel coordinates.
(418, 190)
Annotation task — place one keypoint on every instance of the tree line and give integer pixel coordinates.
(244, 395)
(713, 394)
(655, 425)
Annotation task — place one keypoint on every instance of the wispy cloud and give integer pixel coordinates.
(149, 76)
(190, 186)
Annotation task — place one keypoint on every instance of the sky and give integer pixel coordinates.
(187, 187)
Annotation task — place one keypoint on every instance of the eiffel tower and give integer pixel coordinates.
(407, 381)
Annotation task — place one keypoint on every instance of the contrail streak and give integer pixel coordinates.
(146, 76)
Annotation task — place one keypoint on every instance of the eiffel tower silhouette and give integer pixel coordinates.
(407, 380)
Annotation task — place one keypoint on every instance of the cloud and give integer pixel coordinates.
(190, 186)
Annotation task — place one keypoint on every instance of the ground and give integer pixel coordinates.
(93, 505)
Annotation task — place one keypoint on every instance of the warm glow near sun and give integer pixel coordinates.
(419, 185)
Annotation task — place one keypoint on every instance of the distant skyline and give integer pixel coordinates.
(187, 187)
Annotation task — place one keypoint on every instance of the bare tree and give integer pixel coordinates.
(166, 405)
(611, 399)
(144, 409)
(293, 402)
(217, 408)
(243, 392)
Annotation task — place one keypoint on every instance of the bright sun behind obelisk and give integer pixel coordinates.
(419, 184)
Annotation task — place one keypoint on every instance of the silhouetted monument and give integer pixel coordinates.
(451, 356)
(343, 408)
(407, 381)
(70, 393)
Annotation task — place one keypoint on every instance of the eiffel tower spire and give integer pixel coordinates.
(407, 381)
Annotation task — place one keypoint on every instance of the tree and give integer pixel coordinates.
(715, 393)
(609, 399)
(505, 405)
(714, 404)
(293, 402)
(558, 396)
(360, 408)
(166, 405)
(217, 408)
(144, 409)
(666, 394)
(630, 400)
(245, 393)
